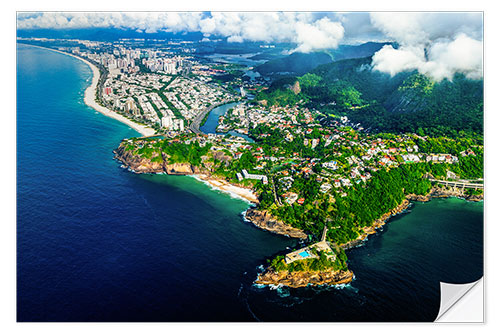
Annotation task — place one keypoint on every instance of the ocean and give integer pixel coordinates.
(98, 243)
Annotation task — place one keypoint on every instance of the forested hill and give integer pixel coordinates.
(406, 102)
(358, 51)
(293, 64)
(300, 63)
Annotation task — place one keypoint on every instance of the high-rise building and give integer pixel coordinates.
(131, 107)
(117, 104)
(178, 125)
(166, 122)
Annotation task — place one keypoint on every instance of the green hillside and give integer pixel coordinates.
(406, 102)
(293, 64)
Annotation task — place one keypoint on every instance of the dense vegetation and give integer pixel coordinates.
(182, 153)
(294, 64)
(316, 264)
(406, 102)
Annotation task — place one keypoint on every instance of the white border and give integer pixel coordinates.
(8, 156)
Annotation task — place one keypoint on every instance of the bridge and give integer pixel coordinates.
(462, 184)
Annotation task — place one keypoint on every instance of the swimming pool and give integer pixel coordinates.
(304, 254)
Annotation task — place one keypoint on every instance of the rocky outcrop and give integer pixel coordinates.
(296, 88)
(136, 163)
(264, 220)
(304, 278)
(145, 165)
(445, 192)
(179, 169)
(418, 197)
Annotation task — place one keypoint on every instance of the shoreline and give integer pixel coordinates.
(139, 165)
(90, 93)
(301, 279)
(434, 193)
(241, 193)
(377, 224)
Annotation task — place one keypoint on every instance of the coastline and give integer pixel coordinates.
(142, 165)
(434, 193)
(378, 223)
(262, 219)
(90, 93)
(242, 193)
(301, 279)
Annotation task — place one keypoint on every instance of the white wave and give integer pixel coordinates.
(244, 216)
(275, 287)
(258, 285)
(342, 285)
(215, 188)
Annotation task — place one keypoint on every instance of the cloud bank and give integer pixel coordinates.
(309, 31)
(436, 44)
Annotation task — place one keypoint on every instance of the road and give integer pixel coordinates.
(458, 184)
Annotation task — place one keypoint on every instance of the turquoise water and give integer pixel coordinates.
(98, 243)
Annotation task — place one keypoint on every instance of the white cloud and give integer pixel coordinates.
(147, 22)
(322, 34)
(310, 31)
(436, 44)
(393, 61)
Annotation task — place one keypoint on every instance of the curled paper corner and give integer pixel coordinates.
(461, 302)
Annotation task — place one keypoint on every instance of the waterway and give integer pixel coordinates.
(210, 125)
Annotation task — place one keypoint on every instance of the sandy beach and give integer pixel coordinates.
(90, 94)
(241, 192)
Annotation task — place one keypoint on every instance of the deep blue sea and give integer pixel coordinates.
(98, 243)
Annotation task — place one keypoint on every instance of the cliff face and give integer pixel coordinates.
(179, 169)
(303, 279)
(145, 165)
(136, 163)
(264, 220)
